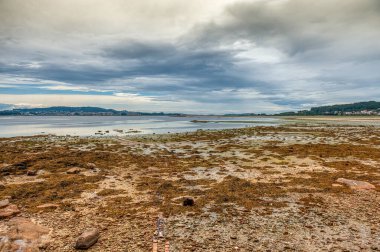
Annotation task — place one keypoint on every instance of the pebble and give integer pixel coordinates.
(31, 173)
(188, 202)
(4, 203)
(74, 170)
(47, 206)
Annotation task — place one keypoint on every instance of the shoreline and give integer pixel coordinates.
(116, 131)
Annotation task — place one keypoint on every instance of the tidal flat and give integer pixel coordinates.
(265, 188)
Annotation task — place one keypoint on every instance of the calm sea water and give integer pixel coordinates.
(119, 125)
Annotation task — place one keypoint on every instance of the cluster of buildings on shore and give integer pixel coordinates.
(362, 112)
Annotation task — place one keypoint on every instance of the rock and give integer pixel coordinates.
(14, 168)
(88, 238)
(48, 206)
(24, 229)
(355, 184)
(91, 166)
(24, 235)
(4, 203)
(336, 185)
(31, 173)
(74, 170)
(188, 202)
(41, 172)
(9, 211)
(21, 165)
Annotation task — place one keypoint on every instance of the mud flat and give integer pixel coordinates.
(253, 189)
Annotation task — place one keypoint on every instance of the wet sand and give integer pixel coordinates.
(254, 189)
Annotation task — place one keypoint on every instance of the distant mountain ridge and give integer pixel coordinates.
(358, 108)
(78, 111)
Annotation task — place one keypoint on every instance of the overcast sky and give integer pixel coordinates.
(198, 56)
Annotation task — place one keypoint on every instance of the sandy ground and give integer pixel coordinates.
(345, 119)
(255, 189)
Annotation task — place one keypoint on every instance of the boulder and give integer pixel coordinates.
(356, 184)
(24, 235)
(74, 170)
(88, 238)
(25, 229)
(9, 211)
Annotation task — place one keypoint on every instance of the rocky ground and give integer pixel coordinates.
(254, 189)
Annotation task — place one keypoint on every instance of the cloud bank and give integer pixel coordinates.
(193, 56)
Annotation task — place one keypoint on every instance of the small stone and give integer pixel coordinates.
(74, 170)
(188, 202)
(31, 173)
(21, 165)
(41, 172)
(9, 211)
(88, 238)
(4, 203)
(48, 206)
(337, 185)
(91, 166)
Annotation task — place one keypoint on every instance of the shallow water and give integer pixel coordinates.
(125, 125)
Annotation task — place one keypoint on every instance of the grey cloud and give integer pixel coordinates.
(325, 47)
(297, 26)
(140, 50)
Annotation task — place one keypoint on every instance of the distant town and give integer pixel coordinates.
(370, 108)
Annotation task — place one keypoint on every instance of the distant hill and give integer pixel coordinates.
(359, 108)
(5, 106)
(77, 111)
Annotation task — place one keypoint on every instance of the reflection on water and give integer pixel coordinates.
(118, 125)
